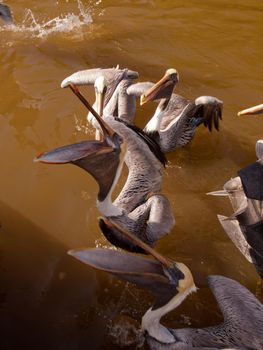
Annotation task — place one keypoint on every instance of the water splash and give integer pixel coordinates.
(67, 23)
(126, 332)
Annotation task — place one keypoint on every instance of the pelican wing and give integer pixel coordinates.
(178, 345)
(151, 143)
(251, 177)
(235, 233)
(205, 110)
(115, 237)
(240, 308)
(210, 111)
(174, 108)
(145, 272)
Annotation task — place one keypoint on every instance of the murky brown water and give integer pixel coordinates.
(48, 300)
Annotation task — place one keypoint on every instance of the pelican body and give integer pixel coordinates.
(176, 119)
(139, 207)
(245, 225)
(242, 327)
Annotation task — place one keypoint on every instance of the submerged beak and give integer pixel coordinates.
(162, 89)
(252, 110)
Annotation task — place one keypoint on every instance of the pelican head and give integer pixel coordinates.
(252, 110)
(101, 159)
(170, 285)
(5, 14)
(163, 88)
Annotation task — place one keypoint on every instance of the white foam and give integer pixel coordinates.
(30, 25)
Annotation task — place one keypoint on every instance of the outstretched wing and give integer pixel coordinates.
(238, 305)
(209, 112)
(205, 110)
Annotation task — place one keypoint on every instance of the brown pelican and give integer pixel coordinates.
(170, 281)
(176, 119)
(252, 110)
(242, 327)
(245, 226)
(139, 206)
(5, 14)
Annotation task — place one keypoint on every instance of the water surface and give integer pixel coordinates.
(48, 300)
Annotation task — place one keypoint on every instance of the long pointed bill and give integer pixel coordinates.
(117, 262)
(218, 193)
(107, 131)
(145, 272)
(100, 102)
(162, 89)
(99, 159)
(137, 241)
(252, 110)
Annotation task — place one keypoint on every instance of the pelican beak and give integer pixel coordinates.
(162, 89)
(252, 110)
(100, 87)
(99, 159)
(120, 263)
(145, 272)
(100, 102)
(218, 193)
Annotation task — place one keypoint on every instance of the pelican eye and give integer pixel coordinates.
(174, 77)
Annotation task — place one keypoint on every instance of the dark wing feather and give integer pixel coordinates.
(117, 239)
(209, 112)
(152, 144)
(238, 305)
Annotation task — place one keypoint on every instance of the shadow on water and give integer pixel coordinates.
(44, 293)
(47, 299)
